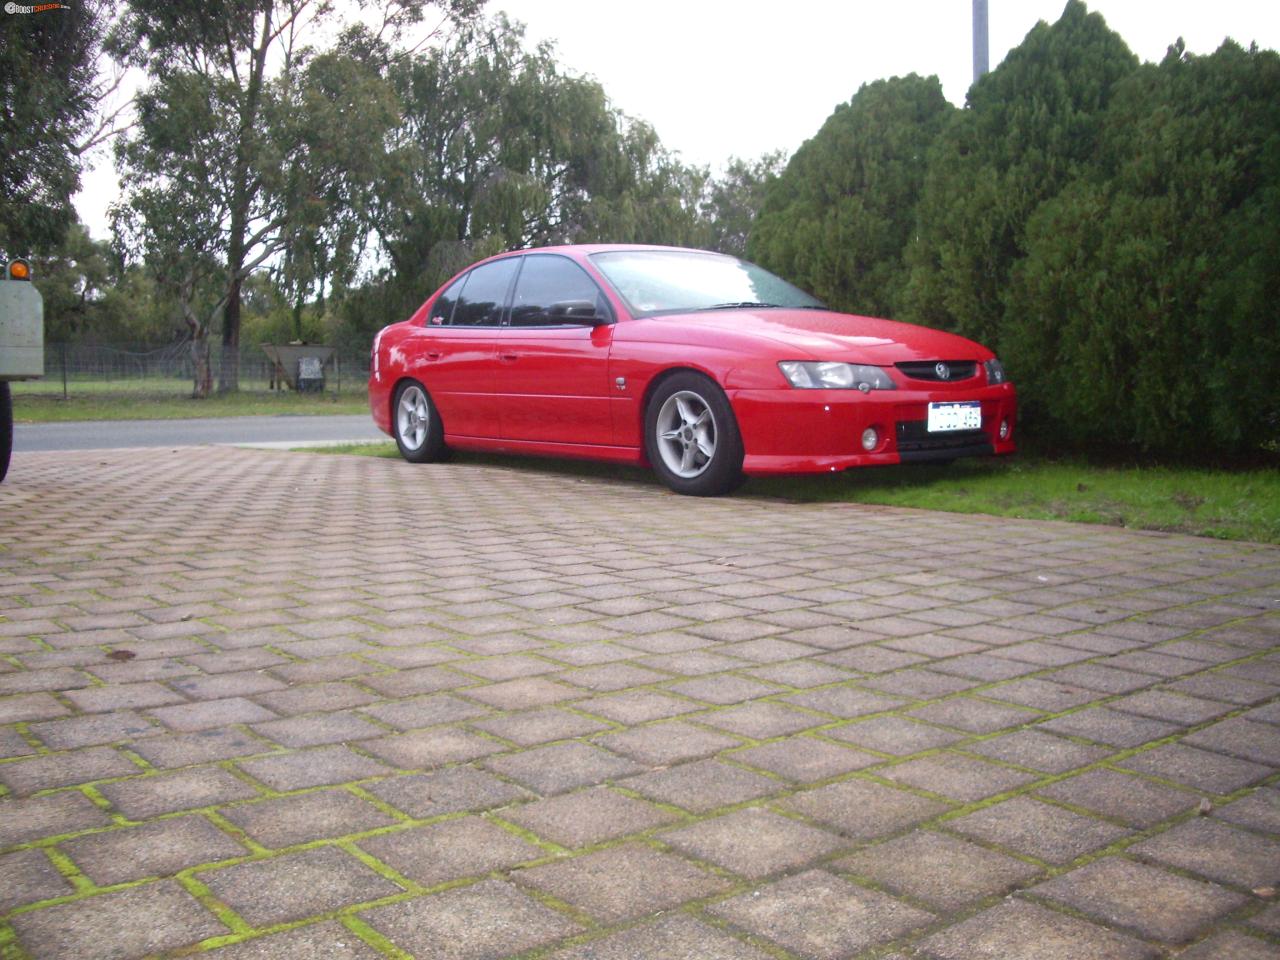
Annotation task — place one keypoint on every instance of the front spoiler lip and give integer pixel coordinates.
(760, 465)
(981, 449)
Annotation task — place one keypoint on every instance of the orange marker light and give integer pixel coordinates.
(19, 270)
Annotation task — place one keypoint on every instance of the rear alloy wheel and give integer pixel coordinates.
(419, 432)
(691, 436)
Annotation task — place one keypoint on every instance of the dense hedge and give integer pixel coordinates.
(837, 221)
(1110, 228)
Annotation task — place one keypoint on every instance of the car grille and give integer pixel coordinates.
(928, 370)
(914, 437)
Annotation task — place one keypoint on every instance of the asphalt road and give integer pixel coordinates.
(283, 431)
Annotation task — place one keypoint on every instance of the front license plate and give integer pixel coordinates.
(961, 415)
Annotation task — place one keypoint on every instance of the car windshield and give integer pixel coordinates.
(669, 281)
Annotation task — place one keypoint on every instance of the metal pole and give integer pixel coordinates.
(981, 59)
(63, 354)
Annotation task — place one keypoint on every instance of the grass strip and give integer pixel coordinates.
(121, 403)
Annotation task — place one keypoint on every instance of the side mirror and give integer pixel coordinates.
(577, 311)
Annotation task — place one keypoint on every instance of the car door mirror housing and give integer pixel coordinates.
(577, 311)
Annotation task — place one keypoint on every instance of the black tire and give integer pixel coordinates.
(691, 436)
(417, 427)
(6, 427)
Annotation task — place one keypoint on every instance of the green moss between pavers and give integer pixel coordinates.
(871, 883)
(198, 889)
(232, 920)
(373, 863)
(9, 948)
(553, 850)
(401, 818)
(755, 940)
(374, 939)
(66, 866)
(38, 748)
(85, 891)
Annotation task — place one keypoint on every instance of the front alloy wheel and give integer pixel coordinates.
(419, 432)
(692, 437)
(686, 432)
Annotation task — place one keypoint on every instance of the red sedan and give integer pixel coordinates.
(704, 366)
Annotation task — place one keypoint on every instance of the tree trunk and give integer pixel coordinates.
(203, 375)
(200, 362)
(243, 191)
(229, 372)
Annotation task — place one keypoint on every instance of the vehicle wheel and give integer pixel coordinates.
(6, 427)
(691, 436)
(419, 431)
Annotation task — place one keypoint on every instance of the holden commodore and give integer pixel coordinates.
(704, 366)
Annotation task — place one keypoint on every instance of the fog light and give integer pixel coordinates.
(1004, 429)
(869, 439)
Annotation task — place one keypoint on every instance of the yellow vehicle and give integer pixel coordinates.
(21, 342)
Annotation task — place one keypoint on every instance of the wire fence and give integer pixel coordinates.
(76, 368)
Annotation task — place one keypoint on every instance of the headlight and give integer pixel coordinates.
(809, 375)
(995, 371)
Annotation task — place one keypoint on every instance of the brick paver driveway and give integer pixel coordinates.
(276, 705)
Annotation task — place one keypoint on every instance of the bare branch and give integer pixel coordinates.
(264, 231)
(106, 129)
(411, 51)
(269, 251)
(231, 52)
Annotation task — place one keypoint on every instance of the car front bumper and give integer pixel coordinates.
(819, 431)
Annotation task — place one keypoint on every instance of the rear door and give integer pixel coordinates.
(457, 355)
(553, 372)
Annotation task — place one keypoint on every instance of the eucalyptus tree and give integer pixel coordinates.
(733, 200)
(74, 279)
(499, 141)
(498, 147)
(223, 172)
(174, 238)
(335, 119)
(49, 92)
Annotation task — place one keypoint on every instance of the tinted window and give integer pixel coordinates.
(442, 309)
(546, 286)
(485, 294)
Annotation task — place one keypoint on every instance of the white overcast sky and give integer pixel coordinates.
(723, 78)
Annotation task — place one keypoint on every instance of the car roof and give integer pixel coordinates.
(586, 249)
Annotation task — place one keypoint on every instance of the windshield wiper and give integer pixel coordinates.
(740, 305)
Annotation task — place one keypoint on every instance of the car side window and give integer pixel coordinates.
(485, 294)
(547, 285)
(442, 309)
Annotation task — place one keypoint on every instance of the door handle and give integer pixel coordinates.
(508, 357)
(433, 354)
